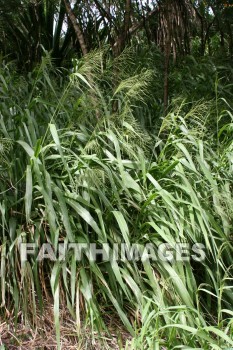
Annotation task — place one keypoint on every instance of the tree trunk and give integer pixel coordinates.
(167, 50)
(78, 31)
(166, 72)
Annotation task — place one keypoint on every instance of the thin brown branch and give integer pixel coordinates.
(140, 24)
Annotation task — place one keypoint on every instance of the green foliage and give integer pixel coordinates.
(195, 78)
(76, 176)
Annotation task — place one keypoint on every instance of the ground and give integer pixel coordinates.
(43, 336)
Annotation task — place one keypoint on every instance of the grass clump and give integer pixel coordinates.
(73, 176)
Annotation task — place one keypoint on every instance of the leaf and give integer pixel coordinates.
(28, 194)
(85, 215)
(123, 226)
(27, 148)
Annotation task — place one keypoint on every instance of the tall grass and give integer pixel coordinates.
(67, 176)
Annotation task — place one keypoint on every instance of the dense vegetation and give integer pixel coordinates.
(116, 125)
